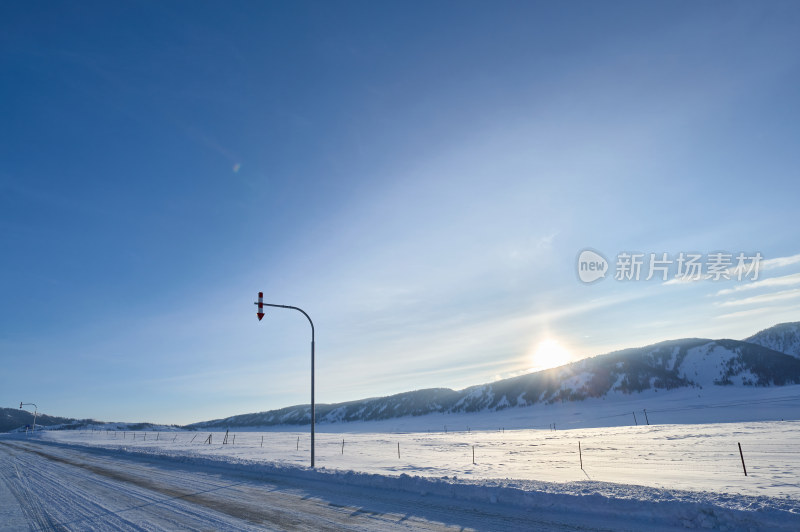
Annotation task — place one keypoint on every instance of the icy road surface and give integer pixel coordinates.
(68, 488)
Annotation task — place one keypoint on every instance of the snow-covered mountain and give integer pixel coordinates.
(784, 337)
(14, 418)
(693, 362)
(768, 358)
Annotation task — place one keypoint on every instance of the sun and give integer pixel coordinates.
(549, 353)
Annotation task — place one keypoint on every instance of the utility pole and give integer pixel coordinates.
(35, 412)
(260, 315)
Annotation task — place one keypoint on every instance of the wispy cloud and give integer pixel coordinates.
(748, 268)
(750, 312)
(779, 262)
(683, 280)
(763, 298)
(786, 280)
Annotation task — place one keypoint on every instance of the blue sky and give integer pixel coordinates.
(420, 177)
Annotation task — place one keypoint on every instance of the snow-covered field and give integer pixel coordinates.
(678, 475)
(626, 475)
(687, 457)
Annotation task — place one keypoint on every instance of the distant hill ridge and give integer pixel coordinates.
(769, 358)
(14, 418)
(784, 337)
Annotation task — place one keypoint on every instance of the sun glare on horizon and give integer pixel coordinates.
(549, 353)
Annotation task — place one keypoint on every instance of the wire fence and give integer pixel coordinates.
(756, 457)
(742, 458)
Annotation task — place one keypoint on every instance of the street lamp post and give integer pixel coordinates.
(260, 315)
(35, 412)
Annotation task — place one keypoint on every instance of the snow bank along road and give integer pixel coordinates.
(47, 485)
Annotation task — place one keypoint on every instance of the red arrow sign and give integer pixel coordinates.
(260, 312)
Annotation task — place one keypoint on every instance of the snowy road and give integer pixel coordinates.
(66, 488)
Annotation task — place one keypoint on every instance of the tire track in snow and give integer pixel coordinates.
(76, 498)
(57, 494)
(202, 498)
(126, 500)
(170, 495)
(18, 485)
(293, 510)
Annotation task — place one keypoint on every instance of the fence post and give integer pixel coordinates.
(342, 445)
(398, 450)
(262, 440)
(634, 418)
(298, 443)
(580, 454)
(645, 416)
(742, 457)
(473, 455)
